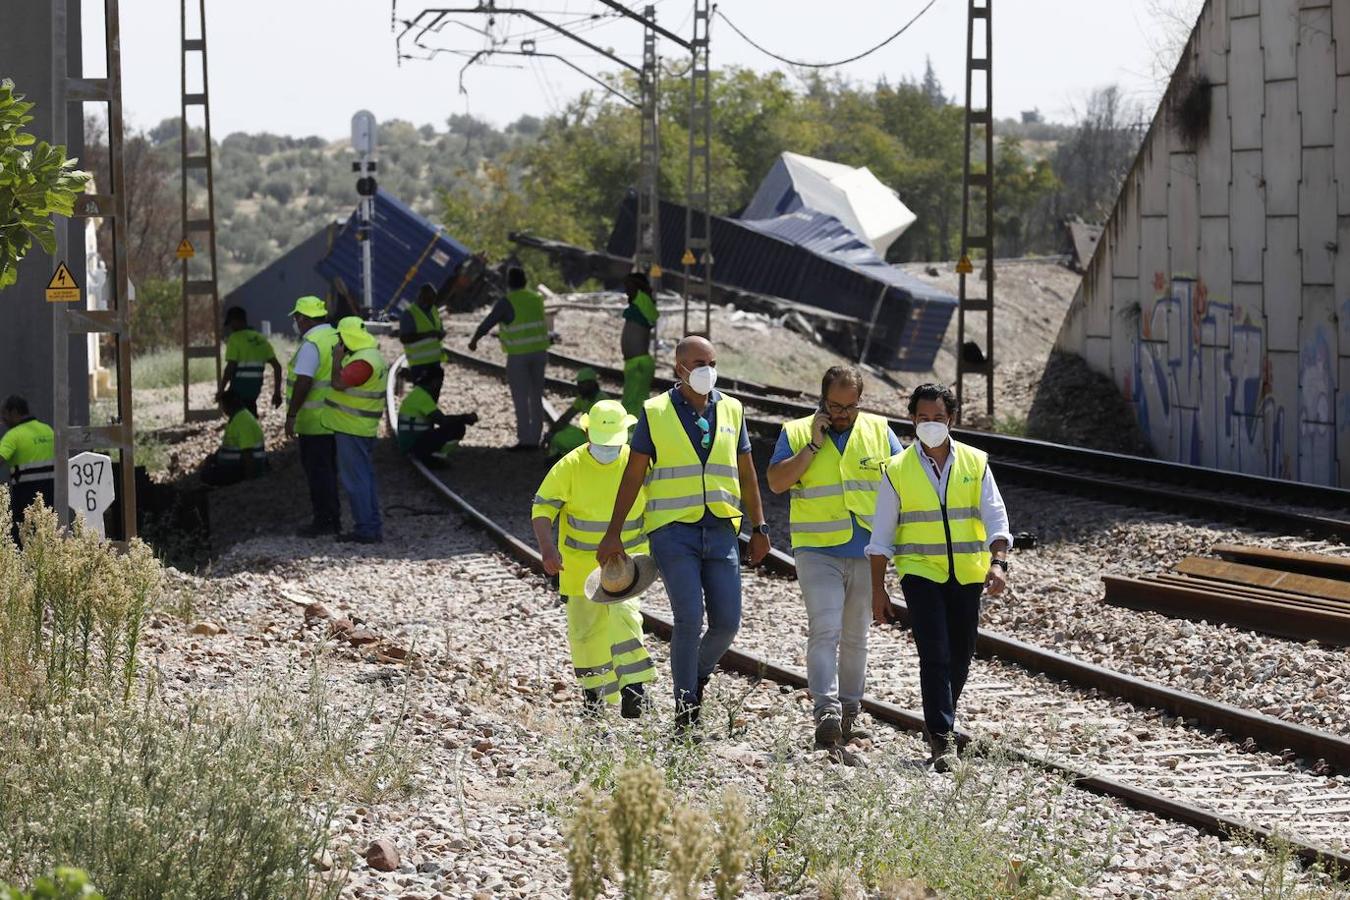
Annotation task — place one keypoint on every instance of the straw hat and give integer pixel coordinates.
(622, 578)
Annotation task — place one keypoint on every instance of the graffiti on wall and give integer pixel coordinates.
(1203, 387)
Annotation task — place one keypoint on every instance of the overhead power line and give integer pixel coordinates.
(822, 65)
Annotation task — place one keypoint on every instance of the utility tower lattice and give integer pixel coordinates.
(698, 256)
(648, 241)
(114, 322)
(201, 296)
(975, 364)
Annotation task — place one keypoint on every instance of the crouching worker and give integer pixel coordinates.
(242, 454)
(564, 437)
(604, 622)
(424, 432)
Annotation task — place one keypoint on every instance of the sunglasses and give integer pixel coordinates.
(705, 427)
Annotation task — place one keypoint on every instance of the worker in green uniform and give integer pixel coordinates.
(563, 437)
(242, 454)
(639, 320)
(27, 448)
(247, 354)
(424, 432)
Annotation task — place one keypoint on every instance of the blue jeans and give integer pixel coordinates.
(701, 569)
(357, 472)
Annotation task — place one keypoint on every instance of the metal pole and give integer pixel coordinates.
(872, 326)
(60, 335)
(367, 270)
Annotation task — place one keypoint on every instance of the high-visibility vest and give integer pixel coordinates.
(250, 352)
(425, 349)
(679, 486)
(28, 451)
(527, 332)
(414, 416)
(308, 419)
(357, 411)
(836, 487)
(934, 535)
(242, 433)
(580, 492)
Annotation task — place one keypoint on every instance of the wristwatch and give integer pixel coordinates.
(762, 528)
(814, 447)
(1001, 563)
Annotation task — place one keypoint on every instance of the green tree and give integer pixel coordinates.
(35, 184)
(1023, 190)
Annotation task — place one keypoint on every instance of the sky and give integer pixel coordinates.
(302, 67)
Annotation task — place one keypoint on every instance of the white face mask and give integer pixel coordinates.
(932, 434)
(603, 454)
(701, 380)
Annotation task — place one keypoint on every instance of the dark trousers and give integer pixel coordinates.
(318, 456)
(22, 495)
(429, 443)
(945, 619)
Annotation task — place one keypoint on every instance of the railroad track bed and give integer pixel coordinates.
(1168, 754)
(1055, 600)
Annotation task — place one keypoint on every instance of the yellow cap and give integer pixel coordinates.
(607, 423)
(311, 307)
(353, 333)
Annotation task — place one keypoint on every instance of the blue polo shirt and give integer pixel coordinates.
(642, 436)
(861, 534)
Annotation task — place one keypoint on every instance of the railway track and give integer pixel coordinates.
(1286, 506)
(1177, 772)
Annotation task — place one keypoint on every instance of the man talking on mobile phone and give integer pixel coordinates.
(831, 464)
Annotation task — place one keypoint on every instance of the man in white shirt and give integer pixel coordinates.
(308, 383)
(940, 515)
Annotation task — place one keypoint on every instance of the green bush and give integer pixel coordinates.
(157, 315)
(63, 884)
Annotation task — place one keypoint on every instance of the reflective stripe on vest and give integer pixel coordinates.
(527, 332)
(679, 486)
(357, 411)
(223, 455)
(836, 489)
(308, 420)
(927, 541)
(28, 474)
(586, 513)
(426, 349)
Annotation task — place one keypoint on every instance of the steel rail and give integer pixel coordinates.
(754, 666)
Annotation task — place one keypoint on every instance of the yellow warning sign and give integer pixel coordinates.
(185, 250)
(62, 288)
(655, 272)
(964, 267)
(688, 258)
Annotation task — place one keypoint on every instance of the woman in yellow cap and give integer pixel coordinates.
(604, 620)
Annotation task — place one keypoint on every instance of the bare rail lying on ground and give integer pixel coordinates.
(754, 666)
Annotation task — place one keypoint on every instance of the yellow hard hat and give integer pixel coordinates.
(311, 307)
(353, 333)
(607, 423)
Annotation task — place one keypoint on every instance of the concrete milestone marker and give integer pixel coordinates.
(91, 488)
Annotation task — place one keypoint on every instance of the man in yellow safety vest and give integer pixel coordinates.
(27, 447)
(831, 463)
(604, 629)
(352, 410)
(639, 323)
(243, 453)
(523, 332)
(692, 452)
(421, 332)
(308, 383)
(247, 354)
(940, 515)
(563, 437)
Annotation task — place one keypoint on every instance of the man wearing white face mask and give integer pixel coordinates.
(940, 515)
(692, 451)
(604, 630)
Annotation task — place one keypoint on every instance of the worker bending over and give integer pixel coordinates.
(247, 354)
(242, 454)
(604, 621)
(27, 447)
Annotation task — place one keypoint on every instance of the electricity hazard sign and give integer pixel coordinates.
(63, 287)
(964, 267)
(688, 258)
(185, 250)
